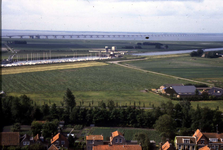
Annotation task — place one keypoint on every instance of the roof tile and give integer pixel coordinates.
(94, 137)
(9, 138)
(117, 147)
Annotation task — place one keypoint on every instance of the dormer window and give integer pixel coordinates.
(187, 141)
(213, 139)
(202, 141)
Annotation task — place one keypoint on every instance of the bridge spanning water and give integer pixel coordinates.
(38, 36)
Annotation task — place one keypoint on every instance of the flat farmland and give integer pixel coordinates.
(95, 83)
(202, 69)
(38, 68)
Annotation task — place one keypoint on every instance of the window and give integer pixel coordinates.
(202, 141)
(57, 142)
(187, 141)
(116, 140)
(179, 147)
(24, 143)
(27, 143)
(62, 142)
(120, 140)
(213, 139)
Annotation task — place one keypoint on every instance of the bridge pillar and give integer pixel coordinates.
(55, 36)
(21, 37)
(63, 36)
(31, 37)
(37, 37)
(46, 37)
(70, 36)
(10, 37)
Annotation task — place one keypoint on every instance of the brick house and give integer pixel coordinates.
(9, 139)
(60, 141)
(117, 142)
(117, 138)
(213, 140)
(93, 140)
(185, 142)
(117, 147)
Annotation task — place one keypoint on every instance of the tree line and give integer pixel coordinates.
(168, 118)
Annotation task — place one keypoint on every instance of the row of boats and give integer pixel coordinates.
(51, 61)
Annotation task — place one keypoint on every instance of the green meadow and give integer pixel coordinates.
(90, 83)
(108, 82)
(209, 70)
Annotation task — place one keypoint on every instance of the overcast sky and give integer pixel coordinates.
(193, 16)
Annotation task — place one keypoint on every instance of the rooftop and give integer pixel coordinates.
(94, 137)
(117, 147)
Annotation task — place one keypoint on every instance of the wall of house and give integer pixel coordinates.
(91, 143)
(116, 140)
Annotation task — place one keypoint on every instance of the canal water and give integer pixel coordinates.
(175, 52)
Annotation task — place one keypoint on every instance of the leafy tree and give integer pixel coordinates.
(17, 114)
(16, 127)
(36, 128)
(101, 104)
(50, 128)
(69, 100)
(200, 52)
(45, 110)
(7, 109)
(143, 139)
(186, 115)
(111, 105)
(1, 114)
(36, 113)
(54, 112)
(166, 126)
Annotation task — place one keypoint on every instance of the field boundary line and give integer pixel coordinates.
(157, 73)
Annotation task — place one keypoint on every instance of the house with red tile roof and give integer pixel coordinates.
(117, 138)
(53, 147)
(213, 140)
(9, 139)
(204, 148)
(185, 142)
(60, 140)
(93, 140)
(117, 142)
(117, 147)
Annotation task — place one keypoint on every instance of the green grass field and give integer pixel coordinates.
(92, 83)
(128, 133)
(201, 69)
